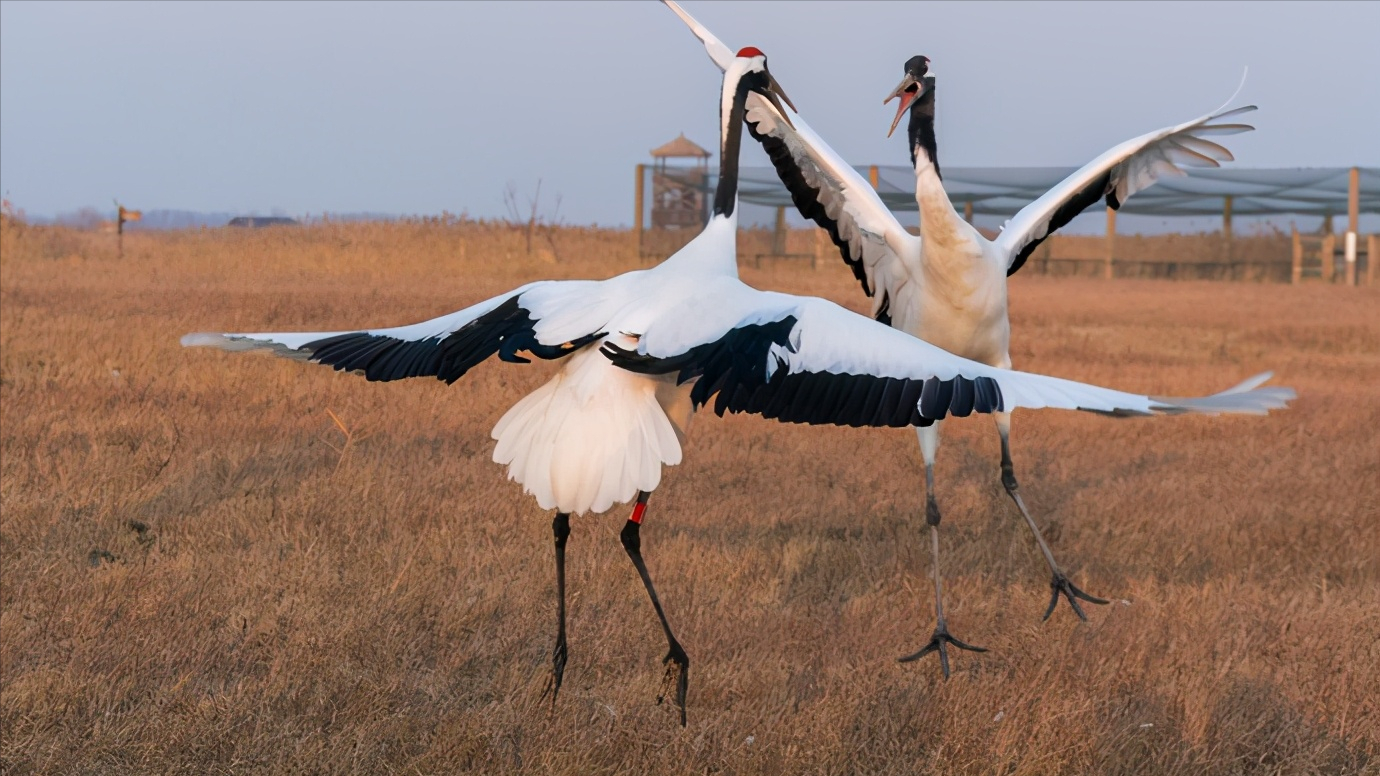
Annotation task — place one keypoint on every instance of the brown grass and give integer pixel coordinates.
(203, 572)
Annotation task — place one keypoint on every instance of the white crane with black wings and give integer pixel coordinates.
(949, 288)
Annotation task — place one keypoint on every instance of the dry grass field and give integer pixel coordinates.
(203, 573)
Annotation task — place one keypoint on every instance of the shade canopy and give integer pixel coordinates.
(1002, 191)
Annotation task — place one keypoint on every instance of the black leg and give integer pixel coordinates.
(1059, 584)
(676, 661)
(941, 637)
(560, 527)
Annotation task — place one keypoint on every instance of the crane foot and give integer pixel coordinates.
(678, 674)
(939, 643)
(1060, 584)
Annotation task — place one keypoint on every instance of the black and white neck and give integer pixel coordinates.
(923, 150)
(739, 79)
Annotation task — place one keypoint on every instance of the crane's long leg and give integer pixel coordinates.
(1059, 584)
(941, 638)
(676, 661)
(560, 527)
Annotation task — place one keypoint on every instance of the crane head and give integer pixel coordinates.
(759, 79)
(913, 86)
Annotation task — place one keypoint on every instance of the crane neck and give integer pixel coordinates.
(948, 238)
(924, 152)
(732, 110)
(714, 250)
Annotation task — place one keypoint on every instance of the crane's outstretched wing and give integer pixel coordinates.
(1117, 174)
(807, 360)
(445, 348)
(828, 191)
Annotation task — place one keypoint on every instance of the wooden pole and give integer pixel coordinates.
(1296, 273)
(1329, 257)
(1111, 242)
(1353, 201)
(1349, 248)
(778, 238)
(968, 212)
(1353, 217)
(638, 191)
(1226, 235)
(872, 176)
(1048, 251)
(1371, 244)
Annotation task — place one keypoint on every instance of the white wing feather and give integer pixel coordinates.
(720, 54)
(1129, 167)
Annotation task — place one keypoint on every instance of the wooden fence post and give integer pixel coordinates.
(1226, 236)
(639, 193)
(1349, 249)
(778, 237)
(637, 206)
(1371, 244)
(968, 212)
(1329, 257)
(1353, 201)
(1353, 223)
(872, 176)
(1111, 243)
(1297, 273)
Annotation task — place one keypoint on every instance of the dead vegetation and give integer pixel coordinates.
(229, 564)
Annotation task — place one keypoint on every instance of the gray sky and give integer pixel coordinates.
(416, 108)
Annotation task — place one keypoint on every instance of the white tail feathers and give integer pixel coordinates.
(591, 437)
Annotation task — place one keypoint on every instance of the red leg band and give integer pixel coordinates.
(637, 513)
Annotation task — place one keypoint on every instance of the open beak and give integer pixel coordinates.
(908, 91)
(776, 95)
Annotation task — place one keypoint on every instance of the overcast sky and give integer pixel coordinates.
(415, 108)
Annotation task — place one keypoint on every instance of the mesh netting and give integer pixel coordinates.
(1002, 191)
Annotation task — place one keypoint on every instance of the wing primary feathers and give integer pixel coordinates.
(962, 403)
(806, 199)
(505, 331)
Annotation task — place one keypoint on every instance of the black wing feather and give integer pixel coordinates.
(733, 372)
(1099, 187)
(806, 199)
(505, 330)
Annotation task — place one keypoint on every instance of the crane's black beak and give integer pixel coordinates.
(908, 91)
(776, 95)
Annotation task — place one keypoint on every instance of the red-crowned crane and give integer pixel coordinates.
(643, 350)
(949, 288)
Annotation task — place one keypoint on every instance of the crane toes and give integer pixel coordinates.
(939, 643)
(553, 682)
(678, 672)
(1060, 584)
